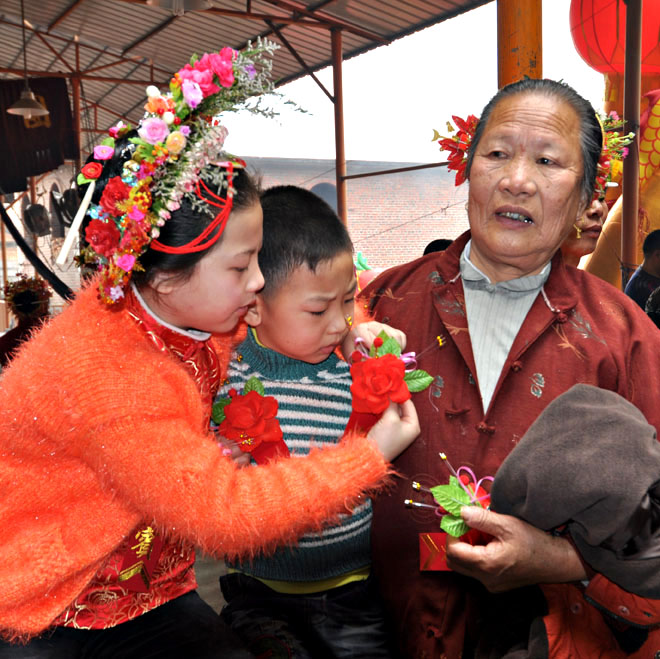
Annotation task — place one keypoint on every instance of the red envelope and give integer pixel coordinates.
(433, 552)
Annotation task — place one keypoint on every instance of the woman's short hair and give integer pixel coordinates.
(591, 135)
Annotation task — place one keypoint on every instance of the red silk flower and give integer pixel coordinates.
(250, 420)
(376, 382)
(103, 237)
(92, 170)
(115, 192)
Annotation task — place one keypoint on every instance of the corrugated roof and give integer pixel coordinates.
(119, 46)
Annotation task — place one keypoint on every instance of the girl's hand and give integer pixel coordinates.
(368, 332)
(518, 555)
(231, 450)
(396, 429)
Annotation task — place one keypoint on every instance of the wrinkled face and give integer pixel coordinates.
(590, 226)
(306, 317)
(223, 284)
(524, 185)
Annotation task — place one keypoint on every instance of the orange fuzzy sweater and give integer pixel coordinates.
(99, 431)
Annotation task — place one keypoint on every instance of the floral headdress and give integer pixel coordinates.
(458, 145)
(38, 286)
(615, 149)
(178, 148)
(613, 152)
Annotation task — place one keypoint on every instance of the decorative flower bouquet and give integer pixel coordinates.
(249, 419)
(463, 489)
(381, 375)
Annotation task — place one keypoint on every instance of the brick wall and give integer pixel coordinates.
(392, 217)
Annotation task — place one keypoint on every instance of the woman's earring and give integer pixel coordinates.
(349, 321)
(578, 231)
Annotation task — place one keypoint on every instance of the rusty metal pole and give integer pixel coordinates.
(338, 97)
(519, 40)
(631, 101)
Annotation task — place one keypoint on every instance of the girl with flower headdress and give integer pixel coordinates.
(110, 475)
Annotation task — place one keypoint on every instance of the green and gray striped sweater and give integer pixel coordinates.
(314, 403)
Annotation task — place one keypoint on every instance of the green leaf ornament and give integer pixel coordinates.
(254, 384)
(417, 380)
(218, 410)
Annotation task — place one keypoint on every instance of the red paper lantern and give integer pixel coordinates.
(598, 28)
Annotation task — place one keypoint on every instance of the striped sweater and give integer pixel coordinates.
(314, 403)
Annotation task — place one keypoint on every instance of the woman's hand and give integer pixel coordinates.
(368, 332)
(396, 429)
(231, 450)
(518, 555)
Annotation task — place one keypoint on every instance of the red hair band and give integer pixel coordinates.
(219, 221)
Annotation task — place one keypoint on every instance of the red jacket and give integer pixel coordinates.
(581, 330)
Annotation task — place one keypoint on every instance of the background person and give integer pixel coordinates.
(504, 327)
(27, 299)
(586, 231)
(647, 276)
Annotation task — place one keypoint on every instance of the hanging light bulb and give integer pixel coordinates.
(27, 105)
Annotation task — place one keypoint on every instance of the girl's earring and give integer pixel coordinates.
(349, 321)
(578, 231)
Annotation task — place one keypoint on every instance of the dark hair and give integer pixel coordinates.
(651, 243)
(299, 228)
(437, 245)
(184, 224)
(591, 135)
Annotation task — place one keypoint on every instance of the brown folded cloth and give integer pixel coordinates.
(591, 461)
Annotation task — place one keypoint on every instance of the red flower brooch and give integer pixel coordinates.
(458, 145)
(382, 375)
(249, 419)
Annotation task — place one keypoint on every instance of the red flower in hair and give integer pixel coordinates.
(115, 192)
(103, 237)
(92, 170)
(458, 145)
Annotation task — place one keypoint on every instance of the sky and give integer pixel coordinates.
(395, 95)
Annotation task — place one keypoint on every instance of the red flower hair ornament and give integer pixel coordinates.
(457, 145)
(249, 419)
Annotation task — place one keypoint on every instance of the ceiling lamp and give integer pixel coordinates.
(179, 7)
(27, 105)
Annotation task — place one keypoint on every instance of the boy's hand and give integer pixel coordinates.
(396, 429)
(368, 332)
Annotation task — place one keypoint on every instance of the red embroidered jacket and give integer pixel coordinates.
(585, 331)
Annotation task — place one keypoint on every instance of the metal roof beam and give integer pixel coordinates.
(299, 59)
(303, 10)
(64, 14)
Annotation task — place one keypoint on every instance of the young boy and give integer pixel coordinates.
(315, 599)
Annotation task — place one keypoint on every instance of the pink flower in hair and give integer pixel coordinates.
(192, 93)
(153, 130)
(126, 262)
(222, 64)
(202, 76)
(103, 152)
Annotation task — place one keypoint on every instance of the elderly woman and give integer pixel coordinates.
(504, 327)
